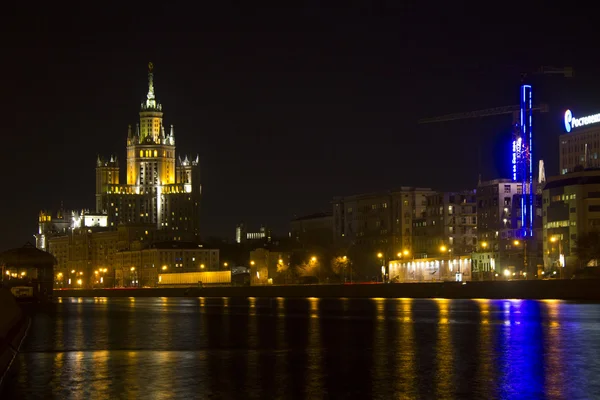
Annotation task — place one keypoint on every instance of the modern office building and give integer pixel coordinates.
(571, 209)
(579, 147)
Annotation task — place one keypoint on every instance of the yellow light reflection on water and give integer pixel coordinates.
(225, 302)
(314, 374)
(553, 348)
(444, 352)
(485, 343)
(280, 306)
(202, 301)
(314, 307)
(379, 308)
(405, 379)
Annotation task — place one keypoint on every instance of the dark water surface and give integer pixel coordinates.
(169, 348)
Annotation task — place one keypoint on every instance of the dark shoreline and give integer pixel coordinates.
(580, 290)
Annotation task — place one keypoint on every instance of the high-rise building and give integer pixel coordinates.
(160, 188)
(500, 228)
(380, 222)
(158, 203)
(580, 148)
(450, 224)
(571, 207)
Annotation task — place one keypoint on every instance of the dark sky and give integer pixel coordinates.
(287, 107)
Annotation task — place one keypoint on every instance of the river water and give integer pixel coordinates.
(226, 348)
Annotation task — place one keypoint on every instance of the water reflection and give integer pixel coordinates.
(310, 348)
(444, 353)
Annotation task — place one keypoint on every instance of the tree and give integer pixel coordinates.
(341, 267)
(587, 247)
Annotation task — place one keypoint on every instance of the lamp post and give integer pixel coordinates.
(557, 238)
(383, 269)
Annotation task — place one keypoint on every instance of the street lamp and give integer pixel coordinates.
(553, 239)
(383, 269)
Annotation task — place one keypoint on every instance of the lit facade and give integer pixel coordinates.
(382, 220)
(500, 228)
(242, 235)
(160, 188)
(450, 221)
(580, 149)
(139, 267)
(571, 205)
(431, 269)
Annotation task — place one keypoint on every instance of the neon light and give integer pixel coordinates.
(514, 160)
(571, 122)
(530, 161)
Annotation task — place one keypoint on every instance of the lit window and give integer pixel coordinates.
(141, 153)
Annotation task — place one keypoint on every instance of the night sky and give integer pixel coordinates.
(287, 107)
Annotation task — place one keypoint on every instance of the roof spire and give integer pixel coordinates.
(151, 100)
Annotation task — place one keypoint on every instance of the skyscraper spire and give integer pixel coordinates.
(151, 100)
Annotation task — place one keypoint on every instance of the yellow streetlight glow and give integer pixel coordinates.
(506, 272)
(379, 255)
(553, 239)
(280, 261)
(344, 258)
(399, 255)
(252, 262)
(225, 264)
(72, 271)
(164, 267)
(79, 281)
(443, 248)
(484, 244)
(132, 268)
(201, 266)
(516, 243)
(406, 252)
(313, 259)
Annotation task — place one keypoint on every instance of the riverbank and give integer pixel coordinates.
(582, 290)
(13, 329)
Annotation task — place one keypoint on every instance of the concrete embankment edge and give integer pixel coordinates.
(580, 290)
(14, 325)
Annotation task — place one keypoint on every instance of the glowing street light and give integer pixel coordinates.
(201, 266)
(252, 263)
(443, 248)
(313, 259)
(379, 255)
(484, 244)
(516, 243)
(164, 267)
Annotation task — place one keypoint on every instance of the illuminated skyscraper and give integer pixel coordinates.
(161, 189)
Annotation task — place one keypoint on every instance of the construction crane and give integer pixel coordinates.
(522, 144)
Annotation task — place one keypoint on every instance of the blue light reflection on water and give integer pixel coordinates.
(311, 348)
